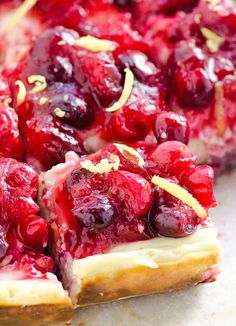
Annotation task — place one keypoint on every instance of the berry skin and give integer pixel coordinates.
(95, 212)
(193, 88)
(34, 232)
(199, 181)
(98, 75)
(171, 158)
(171, 126)
(76, 111)
(172, 220)
(11, 144)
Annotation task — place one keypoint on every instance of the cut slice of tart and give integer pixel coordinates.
(29, 291)
(126, 222)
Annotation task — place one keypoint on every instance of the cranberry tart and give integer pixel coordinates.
(127, 221)
(29, 291)
(99, 84)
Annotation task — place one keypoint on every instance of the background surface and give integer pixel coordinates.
(211, 304)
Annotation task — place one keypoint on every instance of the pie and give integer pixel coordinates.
(109, 112)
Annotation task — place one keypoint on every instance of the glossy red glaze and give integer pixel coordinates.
(23, 234)
(91, 212)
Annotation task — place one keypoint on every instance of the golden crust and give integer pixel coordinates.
(35, 315)
(33, 301)
(144, 280)
(166, 265)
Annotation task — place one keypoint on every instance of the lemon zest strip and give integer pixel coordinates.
(180, 193)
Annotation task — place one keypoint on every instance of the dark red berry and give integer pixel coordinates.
(11, 144)
(199, 181)
(95, 211)
(98, 75)
(172, 220)
(34, 232)
(50, 56)
(193, 88)
(171, 157)
(171, 126)
(73, 108)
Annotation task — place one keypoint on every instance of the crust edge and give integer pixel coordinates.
(144, 281)
(196, 263)
(33, 302)
(35, 315)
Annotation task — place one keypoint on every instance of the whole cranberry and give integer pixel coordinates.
(172, 220)
(50, 55)
(11, 144)
(73, 108)
(34, 232)
(193, 88)
(78, 184)
(133, 191)
(95, 211)
(171, 126)
(199, 181)
(171, 157)
(143, 69)
(98, 75)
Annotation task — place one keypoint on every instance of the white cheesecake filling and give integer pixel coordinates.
(31, 292)
(150, 253)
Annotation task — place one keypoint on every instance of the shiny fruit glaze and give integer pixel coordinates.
(92, 212)
(23, 233)
(80, 85)
(177, 65)
(171, 126)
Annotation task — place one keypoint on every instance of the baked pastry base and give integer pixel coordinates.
(33, 302)
(152, 266)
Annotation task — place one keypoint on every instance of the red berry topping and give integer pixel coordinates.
(199, 181)
(34, 232)
(110, 197)
(172, 220)
(95, 211)
(193, 88)
(98, 75)
(171, 126)
(70, 107)
(21, 230)
(11, 144)
(170, 158)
